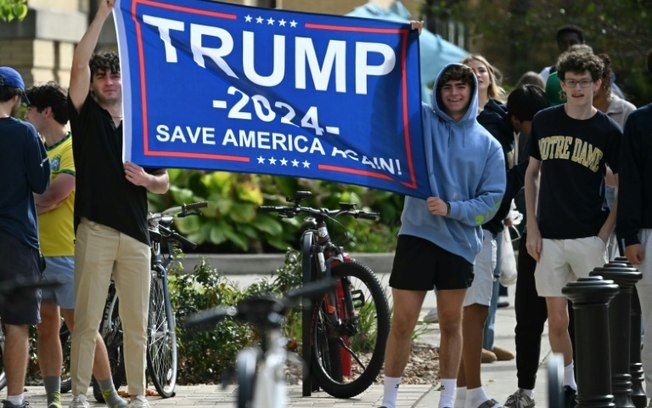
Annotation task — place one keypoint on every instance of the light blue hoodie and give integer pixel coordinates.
(465, 168)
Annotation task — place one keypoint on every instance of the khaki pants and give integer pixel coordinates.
(100, 252)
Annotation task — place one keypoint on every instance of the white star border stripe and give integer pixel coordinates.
(273, 161)
(270, 21)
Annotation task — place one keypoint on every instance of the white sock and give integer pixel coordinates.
(16, 399)
(390, 387)
(529, 393)
(569, 376)
(448, 387)
(460, 397)
(475, 397)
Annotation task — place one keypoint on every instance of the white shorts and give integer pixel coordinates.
(566, 260)
(483, 273)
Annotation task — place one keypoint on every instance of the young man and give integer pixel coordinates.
(110, 216)
(26, 170)
(571, 146)
(567, 36)
(440, 236)
(48, 112)
(634, 226)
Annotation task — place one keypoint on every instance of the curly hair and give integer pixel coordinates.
(578, 62)
(494, 91)
(50, 95)
(456, 72)
(105, 61)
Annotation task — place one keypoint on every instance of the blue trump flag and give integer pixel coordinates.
(222, 87)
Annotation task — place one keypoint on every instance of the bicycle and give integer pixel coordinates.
(348, 328)
(161, 326)
(260, 369)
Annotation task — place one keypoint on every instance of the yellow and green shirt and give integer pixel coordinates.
(56, 232)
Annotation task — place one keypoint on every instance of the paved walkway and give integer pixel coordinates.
(499, 380)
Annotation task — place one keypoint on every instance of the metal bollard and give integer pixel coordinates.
(635, 365)
(619, 329)
(590, 297)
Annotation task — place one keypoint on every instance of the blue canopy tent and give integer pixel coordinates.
(435, 52)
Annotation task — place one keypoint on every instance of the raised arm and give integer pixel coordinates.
(80, 73)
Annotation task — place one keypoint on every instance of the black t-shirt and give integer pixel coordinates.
(573, 155)
(103, 194)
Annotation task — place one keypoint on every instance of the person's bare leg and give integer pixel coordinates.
(15, 357)
(472, 329)
(101, 367)
(50, 355)
(560, 341)
(49, 352)
(407, 305)
(449, 306)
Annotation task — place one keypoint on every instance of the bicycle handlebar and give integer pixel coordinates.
(292, 211)
(259, 310)
(180, 211)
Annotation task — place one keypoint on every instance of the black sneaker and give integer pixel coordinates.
(570, 397)
(9, 404)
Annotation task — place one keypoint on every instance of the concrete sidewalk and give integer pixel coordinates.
(499, 378)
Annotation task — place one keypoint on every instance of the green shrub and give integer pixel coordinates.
(232, 224)
(205, 355)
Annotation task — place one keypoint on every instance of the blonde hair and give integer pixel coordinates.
(494, 91)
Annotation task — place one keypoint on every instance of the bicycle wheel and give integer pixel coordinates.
(347, 357)
(162, 339)
(111, 331)
(3, 378)
(65, 338)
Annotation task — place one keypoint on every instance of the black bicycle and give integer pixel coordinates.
(348, 327)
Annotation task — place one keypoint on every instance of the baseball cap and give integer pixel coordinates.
(10, 78)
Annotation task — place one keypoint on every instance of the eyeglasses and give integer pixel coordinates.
(584, 83)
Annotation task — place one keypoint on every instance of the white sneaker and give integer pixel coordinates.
(79, 401)
(139, 402)
(432, 316)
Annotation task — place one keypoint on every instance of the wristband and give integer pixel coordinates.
(448, 208)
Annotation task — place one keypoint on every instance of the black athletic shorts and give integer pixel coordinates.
(421, 265)
(19, 260)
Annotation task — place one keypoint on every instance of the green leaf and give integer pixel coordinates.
(268, 224)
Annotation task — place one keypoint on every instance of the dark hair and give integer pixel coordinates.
(456, 72)
(6, 93)
(526, 100)
(531, 78)
(606, 72)
(570, 28)
(50, 95)
(105, 61)
(578, 61)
